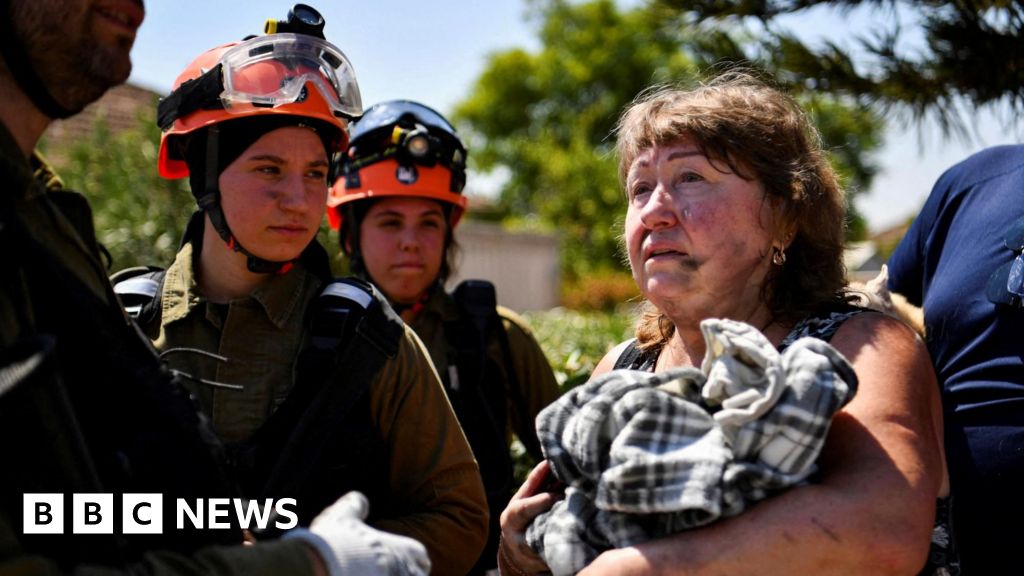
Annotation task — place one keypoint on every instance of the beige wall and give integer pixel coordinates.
(524, 267)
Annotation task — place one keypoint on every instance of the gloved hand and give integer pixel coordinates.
(348, 546)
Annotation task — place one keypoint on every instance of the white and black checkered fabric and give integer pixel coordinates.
(646, 455)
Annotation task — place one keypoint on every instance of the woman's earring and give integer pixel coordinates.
(778, 256)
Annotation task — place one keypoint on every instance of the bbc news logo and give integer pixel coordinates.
(144, 513)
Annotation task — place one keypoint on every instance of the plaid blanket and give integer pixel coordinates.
(646, 455)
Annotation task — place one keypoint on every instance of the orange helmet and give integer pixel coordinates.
(274, 74)
(401, 148)
(290, 72)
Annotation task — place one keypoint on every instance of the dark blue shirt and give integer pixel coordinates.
(945, 261)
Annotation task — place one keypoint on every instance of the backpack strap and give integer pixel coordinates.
(478, 299)
(477, 392)
(481, 399)
(354, 332)
(469, 336)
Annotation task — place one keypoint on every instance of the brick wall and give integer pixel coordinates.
(121, 107)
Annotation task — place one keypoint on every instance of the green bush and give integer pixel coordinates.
(603, 291)
(139, 215)
(575, 341)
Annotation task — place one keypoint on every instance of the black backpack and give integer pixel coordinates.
(480, 398)
(320, 442)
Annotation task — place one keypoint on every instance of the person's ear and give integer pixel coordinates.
(788, 237)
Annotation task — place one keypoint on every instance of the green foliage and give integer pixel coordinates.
(600, 291)
(548, 117)
(851, 134)
(329, 240)
(139, 216)
(972, 56)
(575, 342)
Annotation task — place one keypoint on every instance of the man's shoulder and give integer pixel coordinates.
(989, 164)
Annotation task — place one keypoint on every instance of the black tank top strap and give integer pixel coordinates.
(823, 324)
(633, 358)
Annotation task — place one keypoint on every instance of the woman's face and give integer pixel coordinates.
(698, 238)
(402, 241)
(274, 194)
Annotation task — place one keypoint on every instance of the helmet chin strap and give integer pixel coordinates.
(209, 202)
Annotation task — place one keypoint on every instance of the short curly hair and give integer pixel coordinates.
(761, 133)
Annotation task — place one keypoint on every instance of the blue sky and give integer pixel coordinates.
(432, 51)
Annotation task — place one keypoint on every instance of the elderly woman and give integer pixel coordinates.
(733, 211)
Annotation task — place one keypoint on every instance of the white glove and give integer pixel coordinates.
(349, 547)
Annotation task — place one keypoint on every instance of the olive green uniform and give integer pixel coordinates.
(534, 377)
(443, 325)
(434, 488)
(61, 222)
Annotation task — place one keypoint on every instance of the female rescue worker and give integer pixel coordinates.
(315, 387)
(396, 204)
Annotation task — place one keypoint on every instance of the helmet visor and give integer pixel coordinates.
(273, 70)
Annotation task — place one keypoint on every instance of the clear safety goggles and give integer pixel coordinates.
(274, 69)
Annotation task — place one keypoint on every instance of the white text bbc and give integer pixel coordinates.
(43, 513)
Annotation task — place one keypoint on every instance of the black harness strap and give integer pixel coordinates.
(631, 357)
(481, 397)
(312, 447)
(353, 333)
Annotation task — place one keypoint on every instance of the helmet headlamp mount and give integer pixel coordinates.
(416, 144)
(400, 148)
(410, 143)
(302, 19)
